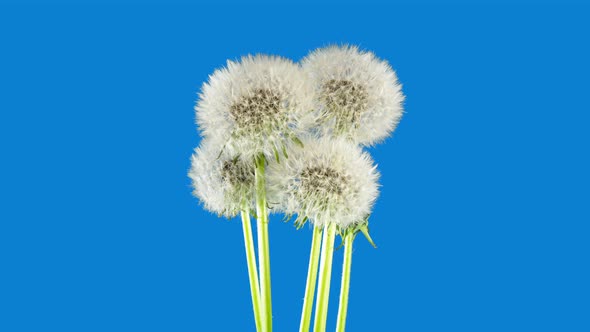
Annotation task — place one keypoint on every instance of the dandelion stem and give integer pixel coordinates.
(321, 306)
(345, 285)
(312, 274)
(263, 246)
(251, 261)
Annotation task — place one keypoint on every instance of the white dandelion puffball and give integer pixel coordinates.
(330, 180)
(357, 95)
(221, 182)
(255, 105)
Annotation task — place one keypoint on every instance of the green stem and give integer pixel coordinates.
(263, 245)
(312, 274)
(345, 285)
(251, 261)
(321, 306)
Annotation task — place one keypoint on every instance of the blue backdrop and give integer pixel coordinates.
(482, 223)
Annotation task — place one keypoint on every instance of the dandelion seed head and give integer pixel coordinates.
(220, 181)
(328, 181)
(255, 105)
(356, 95)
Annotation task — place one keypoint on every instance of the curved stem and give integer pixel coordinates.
(251, 261)
(263, 245)
(345, 285)
(312, 275)
(321, 306)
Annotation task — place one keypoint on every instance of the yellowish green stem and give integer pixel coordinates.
(312, 274)
(263, 246)
(321, 306)
(251, 261)
(345, 284)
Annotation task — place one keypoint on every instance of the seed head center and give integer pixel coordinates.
(345, 94)
(236, 173)
(323, 181)
(260, 108)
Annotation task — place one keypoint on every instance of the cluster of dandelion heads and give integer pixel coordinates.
(224, 183)
(328, 181)
(255, 106)
(267, 105)
(356, 95)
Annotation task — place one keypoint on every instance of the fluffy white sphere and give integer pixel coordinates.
(221, 181)
(255, 105)
(328, 181)
(356, 95)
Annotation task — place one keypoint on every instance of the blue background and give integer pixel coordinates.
(482, 224)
